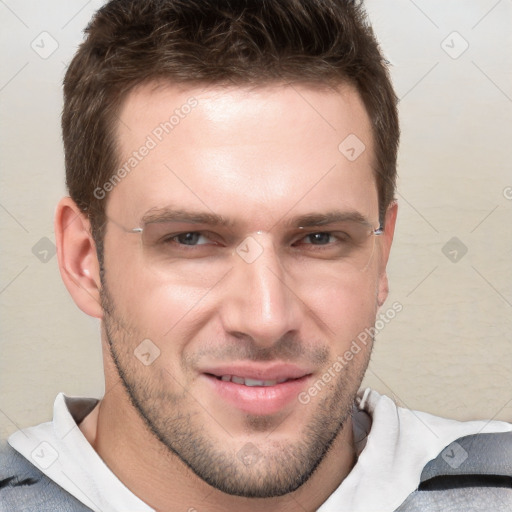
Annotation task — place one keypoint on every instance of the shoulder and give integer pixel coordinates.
(24, 488)
(473, 473)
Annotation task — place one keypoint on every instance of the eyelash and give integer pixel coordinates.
(339, 239)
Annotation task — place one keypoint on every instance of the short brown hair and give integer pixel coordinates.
(242, 42)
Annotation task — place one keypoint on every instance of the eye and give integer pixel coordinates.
(190, 238)
(326, 244)
(321, 238)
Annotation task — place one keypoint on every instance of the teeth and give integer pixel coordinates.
(254, 382)
(251, 382)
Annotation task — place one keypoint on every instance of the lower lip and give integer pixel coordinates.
(259, 400)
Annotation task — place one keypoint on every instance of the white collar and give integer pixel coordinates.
(400, 443)
(61, 452)
(391, 456)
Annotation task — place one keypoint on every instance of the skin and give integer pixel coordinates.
(258, 157)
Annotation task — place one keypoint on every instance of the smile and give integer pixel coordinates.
(245, 381)
(260, 389)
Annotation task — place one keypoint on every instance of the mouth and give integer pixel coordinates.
(259, 390)
(246, 381)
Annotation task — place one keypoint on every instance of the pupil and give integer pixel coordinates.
(320, 238)
(188, 238)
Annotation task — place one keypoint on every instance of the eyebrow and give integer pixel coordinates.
(332, 217)
(192, 217)
(156, 215)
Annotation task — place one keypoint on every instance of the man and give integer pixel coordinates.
(231, 169)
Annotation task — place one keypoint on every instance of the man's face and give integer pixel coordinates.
(253, 272)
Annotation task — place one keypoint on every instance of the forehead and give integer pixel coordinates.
(251, 155)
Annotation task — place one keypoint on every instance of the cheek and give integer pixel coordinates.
(159, 306)
(150, 303)
(345, 307)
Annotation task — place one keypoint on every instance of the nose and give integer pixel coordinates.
(260, 302)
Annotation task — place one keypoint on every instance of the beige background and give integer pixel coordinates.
(447, 352)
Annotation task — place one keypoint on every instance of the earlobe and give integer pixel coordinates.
(385, 246)
(78, 261)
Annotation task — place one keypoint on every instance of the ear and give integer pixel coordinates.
(385, 240)
(78, 261)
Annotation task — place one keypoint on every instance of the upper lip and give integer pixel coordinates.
(265, 371)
